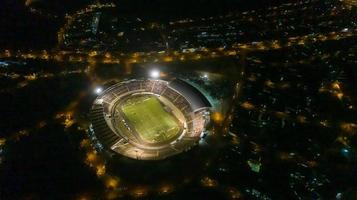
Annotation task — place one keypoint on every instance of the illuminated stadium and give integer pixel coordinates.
(149, 119)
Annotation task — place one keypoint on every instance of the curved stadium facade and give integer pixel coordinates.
(149, 119)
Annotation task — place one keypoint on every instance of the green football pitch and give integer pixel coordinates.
(150, 119)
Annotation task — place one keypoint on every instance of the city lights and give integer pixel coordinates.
(254, 102)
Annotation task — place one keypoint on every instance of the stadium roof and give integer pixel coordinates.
(192, 94)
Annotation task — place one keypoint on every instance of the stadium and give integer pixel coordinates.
(149, 119)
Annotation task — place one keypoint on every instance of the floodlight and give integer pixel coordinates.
(155, 73)
(98, 90)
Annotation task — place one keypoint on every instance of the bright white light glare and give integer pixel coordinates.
(98, 90)
(205, 75)
(155, 73)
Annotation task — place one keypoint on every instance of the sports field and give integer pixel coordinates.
(150, 119)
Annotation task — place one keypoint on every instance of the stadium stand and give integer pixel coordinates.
(185, 97)
(103, 132)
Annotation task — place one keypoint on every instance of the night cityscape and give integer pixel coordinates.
(181, 99)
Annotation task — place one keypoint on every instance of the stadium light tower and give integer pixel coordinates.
(154, 73)
(98, 90)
